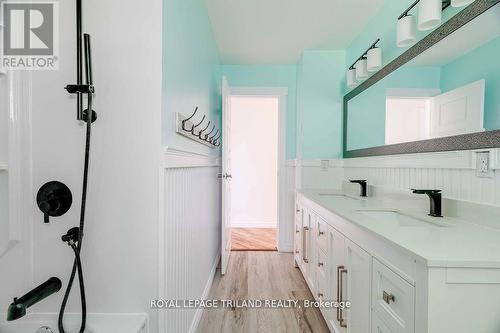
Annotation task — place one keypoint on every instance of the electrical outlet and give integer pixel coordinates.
(483, 169)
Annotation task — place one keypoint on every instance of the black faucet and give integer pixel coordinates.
(362, 183)
(435, 196)
(17, 309)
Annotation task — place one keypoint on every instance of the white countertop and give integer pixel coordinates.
(443, 242)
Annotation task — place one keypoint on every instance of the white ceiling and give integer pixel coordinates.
(277, 31)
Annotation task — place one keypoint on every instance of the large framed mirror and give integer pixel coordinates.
(442, 94)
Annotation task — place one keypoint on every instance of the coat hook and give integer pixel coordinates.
(206, 135)
(203, 130)
(185, 120)
(217, 139)
(194, 126)
(212, 137)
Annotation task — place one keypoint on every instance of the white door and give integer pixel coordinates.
(459, 111)
(226, 176)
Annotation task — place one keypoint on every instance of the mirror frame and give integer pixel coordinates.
(480, 140)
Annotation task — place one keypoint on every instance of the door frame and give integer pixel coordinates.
(282, 94)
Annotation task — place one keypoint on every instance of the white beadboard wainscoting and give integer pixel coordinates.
(189, 234)
(453, 172)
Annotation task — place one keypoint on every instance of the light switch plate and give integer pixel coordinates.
(483, 165)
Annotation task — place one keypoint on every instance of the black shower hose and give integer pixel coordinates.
(77, 264)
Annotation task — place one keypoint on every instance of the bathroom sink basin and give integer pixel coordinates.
(336, 195)
(396, 218)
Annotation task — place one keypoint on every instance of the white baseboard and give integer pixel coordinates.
(206, 293)
(244, 224)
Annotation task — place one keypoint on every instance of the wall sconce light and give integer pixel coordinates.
(461, 3)
(358, 71)
(407, 31)
(351, 78)
(429, 14)
(374, 59)
(361, 69)
(429, 17)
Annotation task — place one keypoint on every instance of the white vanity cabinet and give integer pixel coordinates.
(358, 286)
(297, 244)
(349, 280)
(304, 225)
(390, 288)
(336, 269)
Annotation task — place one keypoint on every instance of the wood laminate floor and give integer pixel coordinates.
(253, 239)
(261, 275)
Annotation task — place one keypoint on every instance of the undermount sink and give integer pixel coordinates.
(400, 219)
(337, 195)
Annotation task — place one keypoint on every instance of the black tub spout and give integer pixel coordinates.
(18, 308)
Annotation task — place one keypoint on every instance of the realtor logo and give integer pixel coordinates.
(30, 35)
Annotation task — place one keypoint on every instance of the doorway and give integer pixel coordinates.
(255, 145)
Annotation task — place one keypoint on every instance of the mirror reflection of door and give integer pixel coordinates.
(414, 118)
(459, 111)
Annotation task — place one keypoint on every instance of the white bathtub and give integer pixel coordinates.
(96, 323)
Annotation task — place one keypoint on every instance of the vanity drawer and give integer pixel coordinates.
(393, 299)
(322, 232)
(378, 325)
(322, 262)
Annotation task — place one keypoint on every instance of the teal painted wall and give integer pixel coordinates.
(481, 63)
(191, 69)
(270, 76)
(319, 104)
(366, 118)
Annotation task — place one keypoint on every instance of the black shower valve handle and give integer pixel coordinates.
(47, 206)
(53, 199)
